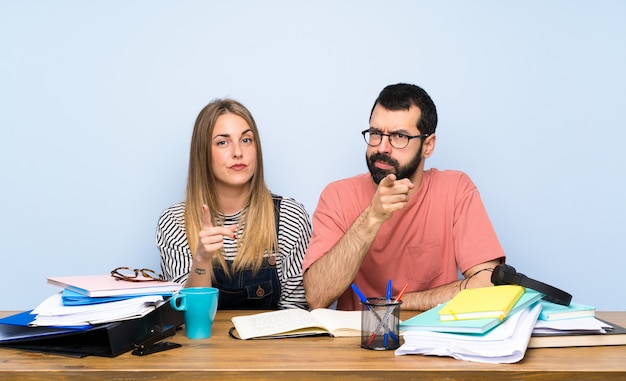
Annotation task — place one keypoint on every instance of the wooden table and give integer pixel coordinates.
(221, 357)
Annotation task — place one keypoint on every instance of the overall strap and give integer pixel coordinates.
(276, 199)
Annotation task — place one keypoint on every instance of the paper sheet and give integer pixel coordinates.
(506, 343)
(52, 312)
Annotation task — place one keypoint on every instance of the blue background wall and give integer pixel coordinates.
(98, 100)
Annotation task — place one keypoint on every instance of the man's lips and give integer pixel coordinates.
(383, 165)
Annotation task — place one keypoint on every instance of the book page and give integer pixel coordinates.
(339, 323)
(275, 322)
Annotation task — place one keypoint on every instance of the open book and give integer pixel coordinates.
(296, 322)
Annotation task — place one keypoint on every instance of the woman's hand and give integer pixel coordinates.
(211, 238)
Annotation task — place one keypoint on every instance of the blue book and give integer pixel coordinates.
(23, 319)
(429, 320)
(73, 298)
(552, 311)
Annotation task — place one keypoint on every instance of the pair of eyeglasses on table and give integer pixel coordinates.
(137, 275)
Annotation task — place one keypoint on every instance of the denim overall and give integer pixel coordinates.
(247, 291)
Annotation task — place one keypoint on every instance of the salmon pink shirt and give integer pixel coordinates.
(443, 229)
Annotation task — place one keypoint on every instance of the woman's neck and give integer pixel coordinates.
(231, 199)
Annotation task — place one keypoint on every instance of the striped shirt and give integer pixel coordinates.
(294, 233)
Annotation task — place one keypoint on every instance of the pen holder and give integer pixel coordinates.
(380, 324)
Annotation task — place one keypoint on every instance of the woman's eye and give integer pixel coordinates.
(247, 140)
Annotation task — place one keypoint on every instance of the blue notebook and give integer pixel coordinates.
(429, 320)
(22, 319)
(73, 298)
(553, 311)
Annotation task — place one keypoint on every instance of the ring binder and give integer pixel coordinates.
(107, 340)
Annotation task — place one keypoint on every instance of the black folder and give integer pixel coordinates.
(107, 340)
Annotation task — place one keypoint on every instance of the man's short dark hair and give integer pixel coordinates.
(402, 96)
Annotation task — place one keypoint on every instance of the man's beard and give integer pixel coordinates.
(401, 172)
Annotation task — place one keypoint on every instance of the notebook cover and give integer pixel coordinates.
(553, 311)
(429, 320)
(106, 285)
(484, 302)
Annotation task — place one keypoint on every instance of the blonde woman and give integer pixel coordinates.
(230, 232)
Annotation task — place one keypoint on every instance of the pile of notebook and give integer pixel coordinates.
(496, 325)
(490, 324)
(95, 299)
(573, 325)
(94, 315)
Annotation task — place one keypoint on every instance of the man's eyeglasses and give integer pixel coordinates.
(396, 139)
(132, 275)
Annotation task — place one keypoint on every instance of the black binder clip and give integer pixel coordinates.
(152, 342)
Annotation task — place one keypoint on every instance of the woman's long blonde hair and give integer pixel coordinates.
(258, 220)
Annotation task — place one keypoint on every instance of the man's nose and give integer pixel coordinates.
(385, 144)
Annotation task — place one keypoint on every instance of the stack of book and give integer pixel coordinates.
(490, 324)
(572, 326)
(95, 299)
(497, 324)
(94, 315)
(106, 286)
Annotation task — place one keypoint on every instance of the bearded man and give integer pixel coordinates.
(399, 222)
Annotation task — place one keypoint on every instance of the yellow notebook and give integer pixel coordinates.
(480, 303)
